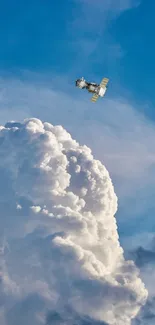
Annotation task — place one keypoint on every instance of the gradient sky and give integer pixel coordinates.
(45, 46)
(77, 37)
(73, 38)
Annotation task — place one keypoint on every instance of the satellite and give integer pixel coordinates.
(98, 90)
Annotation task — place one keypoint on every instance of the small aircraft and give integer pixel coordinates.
(92, 87)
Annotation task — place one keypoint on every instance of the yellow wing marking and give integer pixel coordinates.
(104, 82)
(94, 98)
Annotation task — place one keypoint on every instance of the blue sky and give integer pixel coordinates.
(45, 45)
(134, 30)
(72, 37)
(50, 37)
(64, 40)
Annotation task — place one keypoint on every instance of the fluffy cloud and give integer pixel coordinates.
(61, 258)
(144, 257)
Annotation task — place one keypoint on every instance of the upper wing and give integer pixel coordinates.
(104, 82)
(94, 98)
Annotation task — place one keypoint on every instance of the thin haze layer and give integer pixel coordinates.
(61, 259)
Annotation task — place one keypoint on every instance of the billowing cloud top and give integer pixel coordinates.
(60, 257)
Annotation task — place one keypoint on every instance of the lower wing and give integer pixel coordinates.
(94, 98)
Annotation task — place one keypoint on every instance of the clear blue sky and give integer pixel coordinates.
(135, 32)
(59, 37)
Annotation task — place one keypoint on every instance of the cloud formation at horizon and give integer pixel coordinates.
(60, 253)
(143, 254)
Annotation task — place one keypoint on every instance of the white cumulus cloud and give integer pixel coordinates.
(61, 259)
(143, 253)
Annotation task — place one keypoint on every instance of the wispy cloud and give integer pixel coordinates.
(89, 28)
(97, 13)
